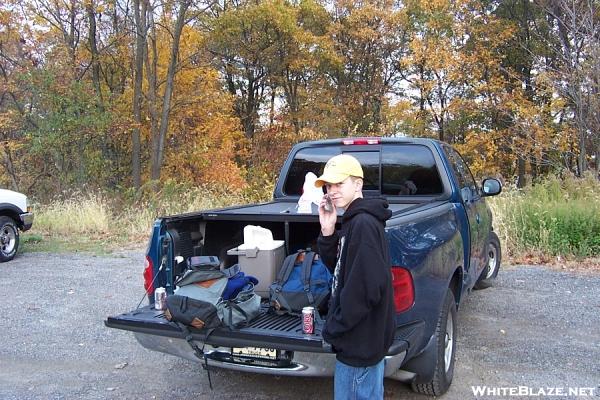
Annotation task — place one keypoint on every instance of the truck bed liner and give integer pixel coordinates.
(267, 330)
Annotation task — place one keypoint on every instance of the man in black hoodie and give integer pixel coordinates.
(360, 324)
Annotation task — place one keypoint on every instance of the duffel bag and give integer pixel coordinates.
(239, 311)
(193, 312)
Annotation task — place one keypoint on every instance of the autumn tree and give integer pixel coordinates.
(15, 58)
(370, 40)
(193, 132)
(452, 49)
(576, 71)
(242, 41)
(301, 46)
(111, 93)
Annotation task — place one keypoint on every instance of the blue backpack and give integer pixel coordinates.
(300, 283)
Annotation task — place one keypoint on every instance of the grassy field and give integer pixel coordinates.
(554, 218)
(102, 223)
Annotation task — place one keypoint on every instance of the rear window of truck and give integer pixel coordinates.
(391, 170)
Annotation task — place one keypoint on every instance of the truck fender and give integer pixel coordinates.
(423, 365)
(12, 211)
(456, 285)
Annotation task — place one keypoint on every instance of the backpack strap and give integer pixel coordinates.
(283, 303)
(309, 257)
(284, 273)
(286, 269)
(199, 353)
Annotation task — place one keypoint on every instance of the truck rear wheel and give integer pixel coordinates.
(9, 238)
(445, 336)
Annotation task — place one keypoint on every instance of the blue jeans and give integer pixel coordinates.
(354, 383)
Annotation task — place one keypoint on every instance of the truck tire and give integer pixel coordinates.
(9, 238)
(490, 272)
(445, 336)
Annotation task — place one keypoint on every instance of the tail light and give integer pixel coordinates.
(404, 290)
(149, 276)
(359, 141)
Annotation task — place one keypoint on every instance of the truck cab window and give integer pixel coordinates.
(461, 170)
(369, 160)
(314, 159)
(409, 170)
(393, 170)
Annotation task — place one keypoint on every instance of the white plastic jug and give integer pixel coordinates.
(259, 237)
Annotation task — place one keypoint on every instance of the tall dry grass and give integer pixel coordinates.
(553, 217)
(127, 218)
(82, 214)
(137, 218)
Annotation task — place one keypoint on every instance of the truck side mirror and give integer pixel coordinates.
(491, 187)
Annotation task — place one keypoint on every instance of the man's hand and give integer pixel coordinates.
(327, 218)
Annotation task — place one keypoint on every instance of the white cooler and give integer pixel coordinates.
(260, 256)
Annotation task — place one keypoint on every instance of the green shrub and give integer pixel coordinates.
(554, 217)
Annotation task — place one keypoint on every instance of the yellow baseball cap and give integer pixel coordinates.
(338, 168)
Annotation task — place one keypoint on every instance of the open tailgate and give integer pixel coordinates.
(267, 330)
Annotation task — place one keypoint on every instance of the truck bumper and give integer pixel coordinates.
(26, 221)
(301, 364)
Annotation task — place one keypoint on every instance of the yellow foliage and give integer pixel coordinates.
(482, 153)
(206, 141)
(433, 68)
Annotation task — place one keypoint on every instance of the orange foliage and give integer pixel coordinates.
(206, 143)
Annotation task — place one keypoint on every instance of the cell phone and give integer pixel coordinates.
(328, 204)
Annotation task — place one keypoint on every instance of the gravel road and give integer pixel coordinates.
(537, 328)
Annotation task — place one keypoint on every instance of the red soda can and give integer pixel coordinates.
(308, 320)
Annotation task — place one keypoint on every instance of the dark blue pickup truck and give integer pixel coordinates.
(441, 241)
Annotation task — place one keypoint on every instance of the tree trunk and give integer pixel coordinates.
(534, 166)
(152, 78)
(94, 53)
(291, 94)
(159, 142)
(10, 168)
(73, 35)
(248, 106)
(581, 160)
(272, 106)
(520, 172)
(140, 11)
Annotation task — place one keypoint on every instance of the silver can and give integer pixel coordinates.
(308, 320)
(160, 299)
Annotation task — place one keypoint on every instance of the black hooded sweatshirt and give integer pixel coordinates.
(360, 324)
